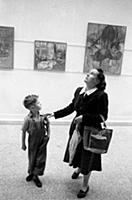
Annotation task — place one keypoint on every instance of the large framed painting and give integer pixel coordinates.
(6, 47)
(104, 48)
(49, 56)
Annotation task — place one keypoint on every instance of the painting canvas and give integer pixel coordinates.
(104, 48)
(49, 56)
(6, 47)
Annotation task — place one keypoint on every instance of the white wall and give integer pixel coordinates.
(62, 21)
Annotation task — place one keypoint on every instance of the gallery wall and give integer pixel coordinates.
(61, 21)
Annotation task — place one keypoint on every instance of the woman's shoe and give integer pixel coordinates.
(82, 193)
(75, 175)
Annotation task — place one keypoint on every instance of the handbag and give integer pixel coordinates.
(74, 141)
(95, 140)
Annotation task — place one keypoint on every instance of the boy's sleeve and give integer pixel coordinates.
(25, 125)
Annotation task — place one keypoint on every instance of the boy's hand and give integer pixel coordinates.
(24, 147)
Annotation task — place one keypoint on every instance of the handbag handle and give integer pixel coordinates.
(104, 124)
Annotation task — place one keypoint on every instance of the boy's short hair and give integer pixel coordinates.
(30, 100)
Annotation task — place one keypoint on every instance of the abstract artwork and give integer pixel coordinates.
(6, 47)
(49, 56)
(104, 48)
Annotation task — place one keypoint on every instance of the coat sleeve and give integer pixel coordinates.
(68, 109)
(102, 102)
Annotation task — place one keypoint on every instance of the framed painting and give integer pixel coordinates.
(6, 47)
(104, 48)
(49, 56)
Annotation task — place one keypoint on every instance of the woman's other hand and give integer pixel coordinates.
(78, 119)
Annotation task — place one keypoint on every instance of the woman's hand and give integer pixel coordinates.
(78, 119)
(49, 115)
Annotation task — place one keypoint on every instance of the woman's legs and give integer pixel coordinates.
(76, 173)
(85, 187)
(85, 181)
(77, 170)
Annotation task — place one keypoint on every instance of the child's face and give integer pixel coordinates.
(36, 106)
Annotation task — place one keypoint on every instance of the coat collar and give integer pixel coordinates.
(87, 92)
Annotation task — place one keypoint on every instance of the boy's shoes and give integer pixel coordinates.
(29, 177)
(37, 181)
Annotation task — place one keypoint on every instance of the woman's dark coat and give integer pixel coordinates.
(90, 107)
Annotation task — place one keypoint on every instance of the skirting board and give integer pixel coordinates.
(17, 121)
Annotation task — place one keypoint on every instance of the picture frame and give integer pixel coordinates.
(6, 47)
(49, 56)
(104, 48)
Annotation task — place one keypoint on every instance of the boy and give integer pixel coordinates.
(37, 127)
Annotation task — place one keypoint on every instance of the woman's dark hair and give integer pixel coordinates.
(102, 84)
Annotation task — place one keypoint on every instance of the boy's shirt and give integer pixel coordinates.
(31, 123)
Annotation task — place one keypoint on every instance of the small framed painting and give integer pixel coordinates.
(104, 48)
(6, 47)
(49, 56)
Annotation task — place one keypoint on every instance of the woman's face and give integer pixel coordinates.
(91, 78)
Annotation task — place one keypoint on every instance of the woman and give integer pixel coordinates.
(89, 102)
